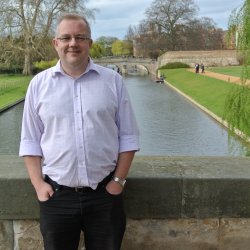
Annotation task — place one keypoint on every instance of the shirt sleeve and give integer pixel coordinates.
(32, 126)
(126, 121)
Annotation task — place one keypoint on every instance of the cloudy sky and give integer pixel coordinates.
(115, 16)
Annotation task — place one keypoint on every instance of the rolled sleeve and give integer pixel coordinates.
(32, 127)
(128, 128)
(30, 148)
(129, 143)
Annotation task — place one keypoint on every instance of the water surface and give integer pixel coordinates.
(169, 124)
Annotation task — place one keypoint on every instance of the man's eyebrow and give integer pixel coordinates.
(80, 34)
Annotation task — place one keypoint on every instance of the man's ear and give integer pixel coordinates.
(90, 43)
(54, 42)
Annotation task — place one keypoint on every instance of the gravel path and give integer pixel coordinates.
(227, 78)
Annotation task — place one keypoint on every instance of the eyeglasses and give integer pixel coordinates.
(78, 39)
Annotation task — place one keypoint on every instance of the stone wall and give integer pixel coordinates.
(174, 203)
(208, 58)
(147, 234)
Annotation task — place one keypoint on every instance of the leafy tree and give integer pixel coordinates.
(106, 43)
(96, 50)
(122, 48)
(32, 22)
(237, 106)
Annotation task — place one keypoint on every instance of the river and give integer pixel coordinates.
(169, 124)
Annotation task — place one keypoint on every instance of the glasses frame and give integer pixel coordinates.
(78, 38)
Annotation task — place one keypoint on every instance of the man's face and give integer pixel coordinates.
(70, 45)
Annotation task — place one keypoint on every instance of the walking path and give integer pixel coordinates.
(227, 78)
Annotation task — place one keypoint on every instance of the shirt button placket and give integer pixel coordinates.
(82, 173)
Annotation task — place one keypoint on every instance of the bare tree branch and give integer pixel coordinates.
(30, 22)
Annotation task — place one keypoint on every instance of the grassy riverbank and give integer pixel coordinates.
(12, 88)
(209, 92)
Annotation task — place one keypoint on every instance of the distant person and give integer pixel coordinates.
(79, 137)
(197, 68)
(202, 68)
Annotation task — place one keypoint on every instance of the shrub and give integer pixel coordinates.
(175, 65)
(13, 69)
(42, 65)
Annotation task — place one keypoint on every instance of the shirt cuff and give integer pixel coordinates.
(129, 143)
(30, 148)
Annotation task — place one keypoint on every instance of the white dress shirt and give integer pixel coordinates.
(79, 126)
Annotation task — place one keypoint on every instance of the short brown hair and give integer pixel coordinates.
(74, 16)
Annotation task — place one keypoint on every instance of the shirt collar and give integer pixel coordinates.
(90, 67)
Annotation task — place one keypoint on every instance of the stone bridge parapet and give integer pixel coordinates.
(191, 203)
(130, 65)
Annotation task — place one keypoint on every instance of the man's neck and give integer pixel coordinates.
(74, 71)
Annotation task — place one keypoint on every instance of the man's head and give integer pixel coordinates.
(73, 16)
(73, 42)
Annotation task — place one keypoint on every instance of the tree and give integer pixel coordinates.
(122, 48)
(96, 50)
(172, 25)
(201, 34)
(147, 40)
(131, 33)
(32, 21)
(106, 43)
(169, 14)
(237, 105)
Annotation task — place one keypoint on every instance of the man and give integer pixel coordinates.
(79, 137)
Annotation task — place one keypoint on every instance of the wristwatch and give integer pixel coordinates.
(118, 180)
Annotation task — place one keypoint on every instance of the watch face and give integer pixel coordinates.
(121, 182)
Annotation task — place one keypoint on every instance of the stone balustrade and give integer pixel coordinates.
(177, 203)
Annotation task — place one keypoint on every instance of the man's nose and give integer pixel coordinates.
(72, 41)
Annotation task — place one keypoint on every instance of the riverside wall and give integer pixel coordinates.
(208, 58)
(175, 203)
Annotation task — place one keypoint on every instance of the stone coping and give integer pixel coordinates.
(11, 105)
(157, 188)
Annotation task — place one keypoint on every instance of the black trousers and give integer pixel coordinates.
(97, 213)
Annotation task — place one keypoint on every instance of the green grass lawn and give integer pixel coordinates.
(209, 92)
(12, 88)
(232, 71)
